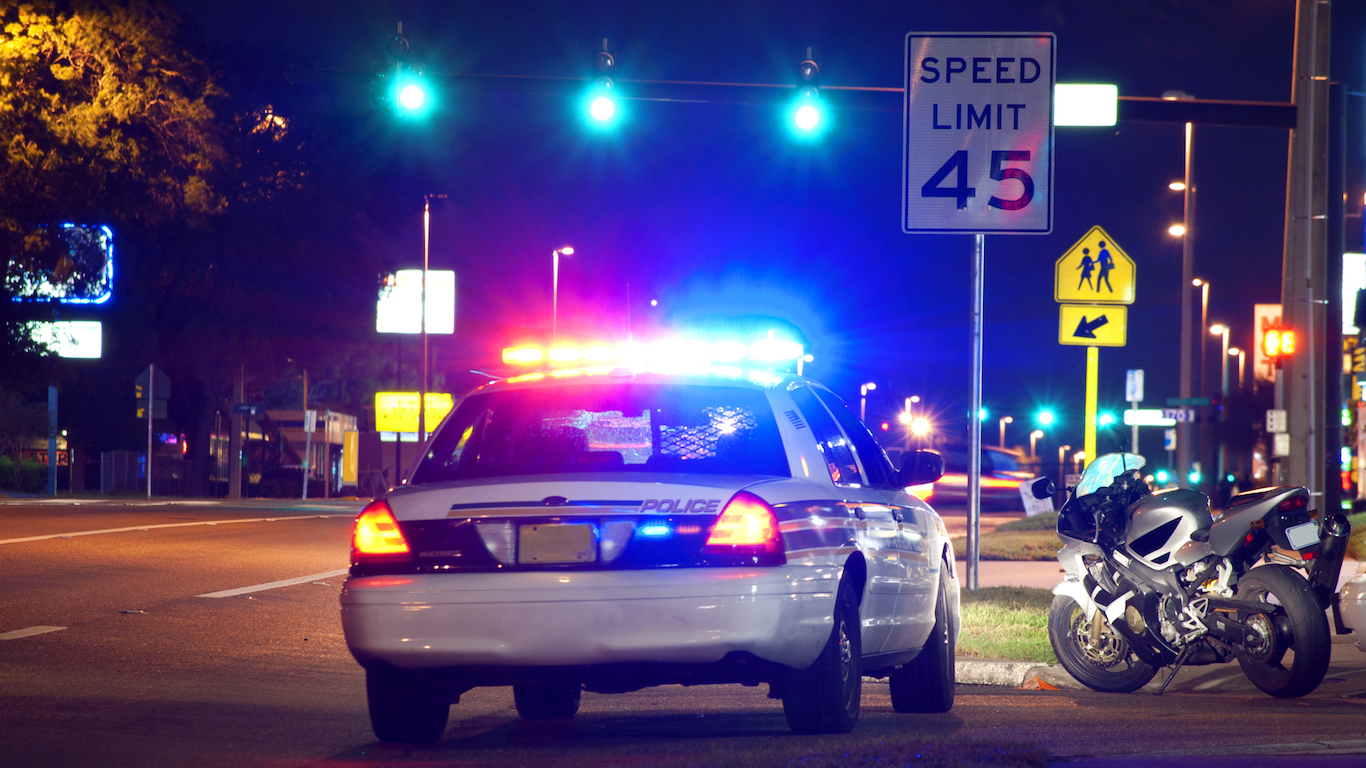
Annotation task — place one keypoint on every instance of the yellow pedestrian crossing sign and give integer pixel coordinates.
(1095, 271)
(1093, 325)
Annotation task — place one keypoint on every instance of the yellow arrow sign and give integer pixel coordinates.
(1093, 326)
(1095, 270)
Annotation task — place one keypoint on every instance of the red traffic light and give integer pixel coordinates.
(1278, 343)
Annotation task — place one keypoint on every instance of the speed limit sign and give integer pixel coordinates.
(978, 133)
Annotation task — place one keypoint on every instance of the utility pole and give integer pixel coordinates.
(235, 440)
(1300, 385)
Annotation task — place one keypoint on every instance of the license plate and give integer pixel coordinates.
(557, 543)
(1303, 535)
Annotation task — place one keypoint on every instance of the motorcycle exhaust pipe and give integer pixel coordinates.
(1327, 565)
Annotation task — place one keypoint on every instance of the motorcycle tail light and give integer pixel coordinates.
(1293, 503)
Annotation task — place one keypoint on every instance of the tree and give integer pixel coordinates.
(102, 120)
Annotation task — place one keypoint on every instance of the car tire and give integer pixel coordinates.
(824, 697)
(403, 710)
(555, 701)
(926, 684)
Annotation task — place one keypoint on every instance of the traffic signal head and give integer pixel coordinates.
(1279, 343)
(807, 113)
(601, 100)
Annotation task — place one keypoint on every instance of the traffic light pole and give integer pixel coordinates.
(1300, 389)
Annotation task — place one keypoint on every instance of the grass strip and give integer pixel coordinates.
(1006, 623)
(1012, 545)
(1356, 545)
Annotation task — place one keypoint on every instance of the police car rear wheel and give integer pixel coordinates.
(402, 710)
(557, 701)
(824, 698)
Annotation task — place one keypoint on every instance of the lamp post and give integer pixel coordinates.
(1187, 188)
(426, 264)
(1203, 391)
(1242, 356)
(1033, 441)
(1003, 421)
(555, 288)
(1078, 461)
(863, 400)
(1062, 458)
(1221, 331)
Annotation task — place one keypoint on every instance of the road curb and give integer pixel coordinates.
(991, 672)
(1008, 673)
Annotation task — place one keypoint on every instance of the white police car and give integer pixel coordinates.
(611, 528)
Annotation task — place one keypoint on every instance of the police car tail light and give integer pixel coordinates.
(500, 538)
(747, 526)
(376, 537)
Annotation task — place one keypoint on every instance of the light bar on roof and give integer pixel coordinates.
(765, 352)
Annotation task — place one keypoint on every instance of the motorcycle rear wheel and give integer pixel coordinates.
(1110, 665)
(1308, 638)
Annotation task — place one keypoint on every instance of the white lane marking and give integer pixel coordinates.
(28, 632)
(274, 584)
(163, 525)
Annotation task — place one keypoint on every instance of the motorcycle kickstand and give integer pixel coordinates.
(1176, 667)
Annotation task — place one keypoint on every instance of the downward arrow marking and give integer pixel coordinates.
(1086, 330)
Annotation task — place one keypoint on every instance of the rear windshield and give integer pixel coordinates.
(613, 427)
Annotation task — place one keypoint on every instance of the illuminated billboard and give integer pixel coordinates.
(397, 411)
(399, 309)
(73, 264)
(70, 338)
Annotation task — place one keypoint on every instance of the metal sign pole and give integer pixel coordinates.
(975, 416)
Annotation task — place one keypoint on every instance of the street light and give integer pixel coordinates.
(1033, 440)
(1062, 457)
(426, 264)
(1221, 330)
(863, 400)
(1077, 461)
(567, 250)
(1242, 356)
(1045, 418)
(1187, 190)
(1004, 420)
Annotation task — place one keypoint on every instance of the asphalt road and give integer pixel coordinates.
(148, 671)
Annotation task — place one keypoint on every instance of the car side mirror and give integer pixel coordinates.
(1042, 488)
(920, 467)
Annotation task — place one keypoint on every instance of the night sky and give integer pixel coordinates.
(711, 209)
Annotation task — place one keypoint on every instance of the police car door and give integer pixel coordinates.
(876, 528)
(915, 569)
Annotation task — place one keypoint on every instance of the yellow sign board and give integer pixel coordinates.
(397, 411)
(1095, 271)
(1093, 325)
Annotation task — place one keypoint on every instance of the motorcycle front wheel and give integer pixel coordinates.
(1102, 661)
(1296, 625)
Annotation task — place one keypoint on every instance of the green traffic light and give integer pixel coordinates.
(412, 97)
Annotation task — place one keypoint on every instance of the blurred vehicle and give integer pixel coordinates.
(1003, 472)
(613, 528)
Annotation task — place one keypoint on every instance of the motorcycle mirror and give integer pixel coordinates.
(1042, 488)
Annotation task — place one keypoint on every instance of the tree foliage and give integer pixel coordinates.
(102, 114)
